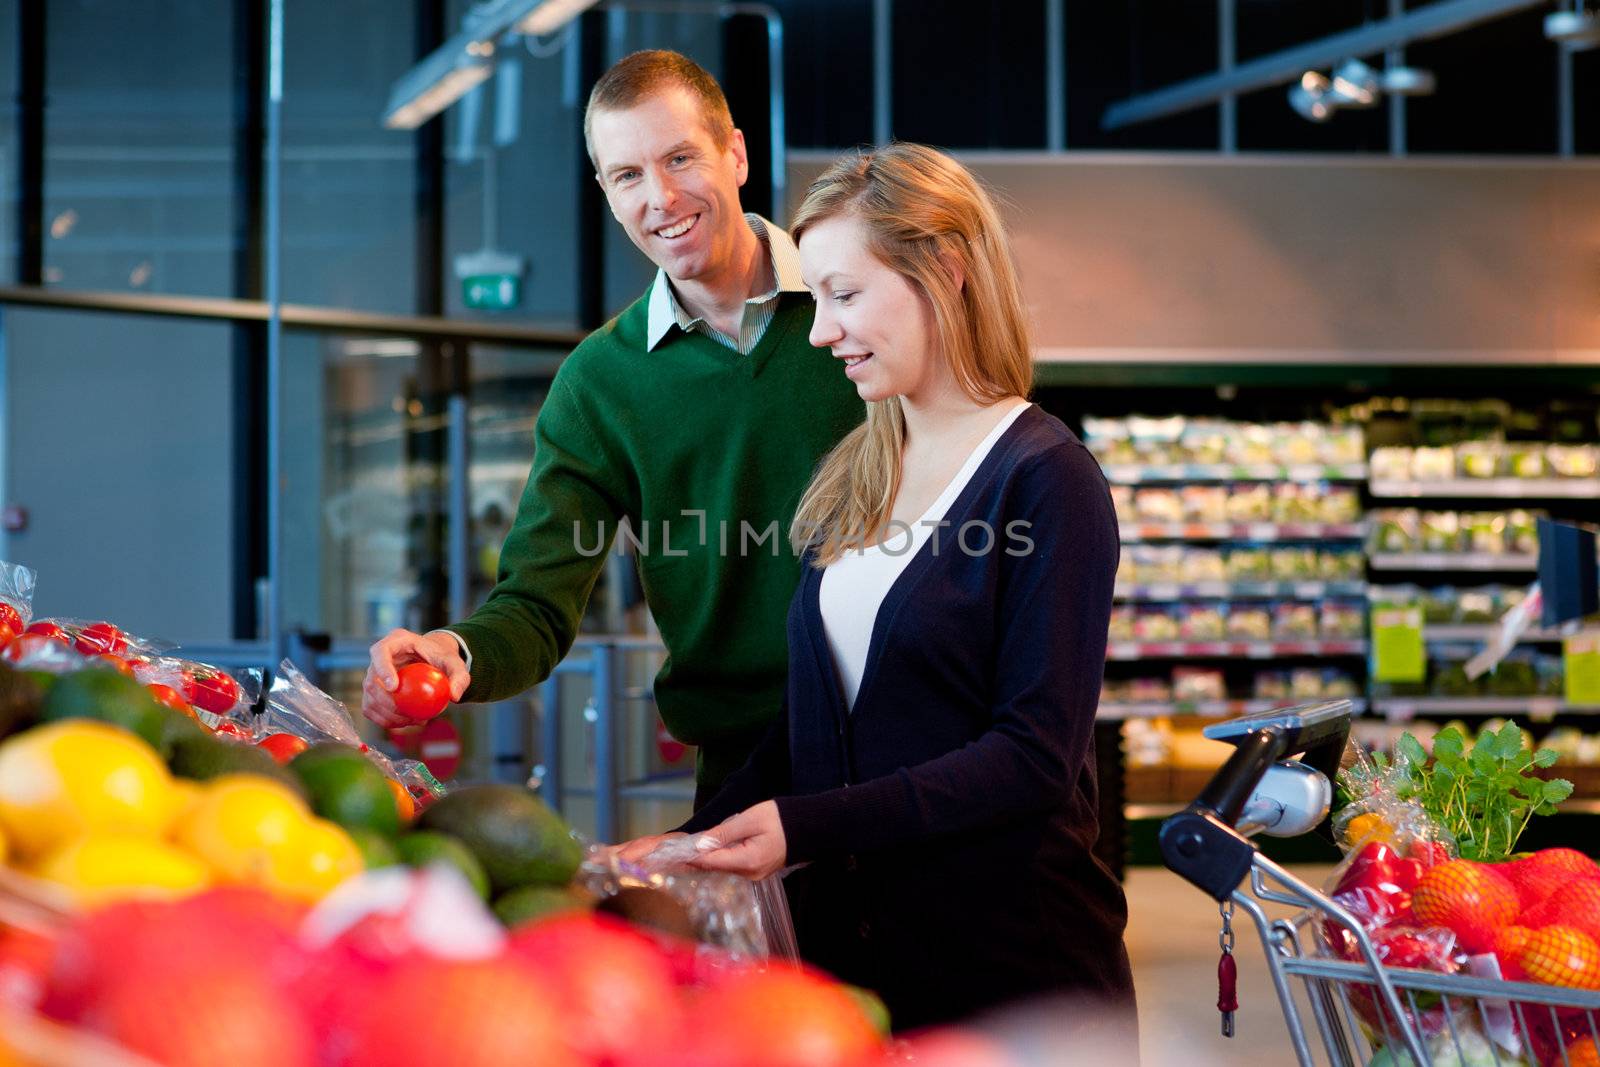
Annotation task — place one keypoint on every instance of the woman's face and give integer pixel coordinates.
(870, 316)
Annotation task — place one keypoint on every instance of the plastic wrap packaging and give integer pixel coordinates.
(214, 693)
(16, 596)
(737, 918)
(295, 706)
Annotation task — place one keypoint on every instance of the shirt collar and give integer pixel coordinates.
(782, 254)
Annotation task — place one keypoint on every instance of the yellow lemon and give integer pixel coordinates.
(70, 778)
(101, 868)
(324, 857)
(3, 851)
(240, 824)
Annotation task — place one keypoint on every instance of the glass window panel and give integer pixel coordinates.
(139, 146)
(1114, 51)
(827, 69)
(965, 77)
(349, 184)
(127, 482)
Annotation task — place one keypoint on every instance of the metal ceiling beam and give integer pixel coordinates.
(1435, 20)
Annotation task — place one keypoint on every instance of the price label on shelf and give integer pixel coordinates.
(1580, 656)
(1397, 649)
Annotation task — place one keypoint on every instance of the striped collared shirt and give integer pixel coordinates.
(666, 312)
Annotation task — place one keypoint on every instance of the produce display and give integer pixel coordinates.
(1492, 533)
(1178, 439)
(1524, 672)
(1277, 620)
(1432, 876)
(1202, 684)
(1485, 459)
(1481, 604)
(1187, 564)
(1281, 502)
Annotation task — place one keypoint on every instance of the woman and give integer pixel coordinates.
(934, 766)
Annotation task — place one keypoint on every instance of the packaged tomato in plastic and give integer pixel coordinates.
(218, 693)
(16, 599)
(296, 707)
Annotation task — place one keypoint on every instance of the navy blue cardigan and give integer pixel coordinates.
(949, 819)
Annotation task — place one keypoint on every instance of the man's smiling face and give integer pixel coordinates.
(674, 191)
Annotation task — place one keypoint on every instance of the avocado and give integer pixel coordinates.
(376, 850)
(516, 837)
(530, 902)
(345, 787)
(648, 906)
(175, 726)
(107, 696)
(422, 847)
(204, 757)
(20, 698)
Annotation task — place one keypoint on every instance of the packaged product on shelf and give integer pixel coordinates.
(1391, 463)
(1252, 444)
(1248, 565)
(1153, 623)
(1203, 441)
(1340, 620)
(1128, 566)
(1339, 503)
(1249, 622)
(1292, 563)
(1439, 604)
(1294, 503)
(1249, 502)
(1478, 459)
(1341, 564)
(1572, 461)
(1439, 531)
(1198, 685)
(1272, 685)
(1516, 675)
(1483, 531)
(1204, 503)
(1122, 501)
(1396, 529)
(1147, 742)
(204, 687)
(1158, 505)
(1305, 683)
(1478, 605)
(1148, 689)
(1299, 443)
(1201, 622)
(1203, 565)
(1523, 459)
(1338, 684)
(1433, 464)
(1121, 623)
(1294, 621)
(1345, 444)
(1522, 531)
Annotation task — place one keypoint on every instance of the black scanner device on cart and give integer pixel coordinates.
(1203, 842)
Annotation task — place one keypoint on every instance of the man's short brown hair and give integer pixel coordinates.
(643, 74)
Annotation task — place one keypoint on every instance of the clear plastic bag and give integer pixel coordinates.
(16, 590)
(745, 919)
(213, 692)
(295, 706)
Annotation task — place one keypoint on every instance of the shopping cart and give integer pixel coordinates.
(1363, 1011)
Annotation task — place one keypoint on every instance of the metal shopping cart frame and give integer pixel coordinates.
(1208, 843)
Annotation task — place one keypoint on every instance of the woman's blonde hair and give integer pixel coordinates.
(923, 213)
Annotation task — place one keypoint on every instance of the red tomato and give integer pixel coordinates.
(169, 696)
(27, 646)
(282, 747)
(46, 628)
(116, 663)
(8, 633)
(10, 616)
(215, 691)
(423, 691)
(229, 728)
(101, 637)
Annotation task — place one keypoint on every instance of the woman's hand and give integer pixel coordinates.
(752, 844)
(636, 850)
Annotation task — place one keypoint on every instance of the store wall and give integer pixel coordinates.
(1279, 257)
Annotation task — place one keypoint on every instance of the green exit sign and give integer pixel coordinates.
(491, 292)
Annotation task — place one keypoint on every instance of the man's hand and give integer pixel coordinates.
(636, 850)
(753, 844)
(395, 650)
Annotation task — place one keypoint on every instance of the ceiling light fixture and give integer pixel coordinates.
(1310, 97)
(1355, 85)
(1409, 81)
(1577, 29)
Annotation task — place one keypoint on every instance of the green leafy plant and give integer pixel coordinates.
(1485, 797)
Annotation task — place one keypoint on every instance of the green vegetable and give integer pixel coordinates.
(1484, 797)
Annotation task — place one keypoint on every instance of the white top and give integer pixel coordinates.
(854, 585)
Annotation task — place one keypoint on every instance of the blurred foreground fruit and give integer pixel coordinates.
(100, 868)
(65, 779)
(345, 786)
(780, 1017)
(244, 827)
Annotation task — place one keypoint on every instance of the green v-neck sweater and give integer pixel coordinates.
(705, 452)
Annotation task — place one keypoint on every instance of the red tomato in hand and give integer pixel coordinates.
(282, 747)
(45, 628)
(423, 691)
(10, 616)
(215, 691)
(101, 637)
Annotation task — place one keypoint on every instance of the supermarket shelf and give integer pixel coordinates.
(1135, 650)
(1482, 632)
(1454, 561)
(1139, 474)
(1214, 709)
(1312, 590)
(1512, 488)
(1533, 707)
(1243, 531)
(1155, 811)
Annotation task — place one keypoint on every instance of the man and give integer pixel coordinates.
(698, 414)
